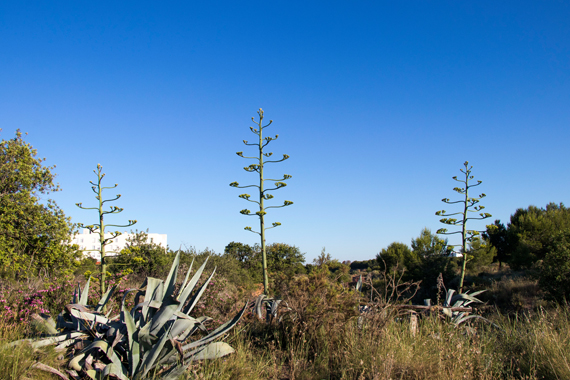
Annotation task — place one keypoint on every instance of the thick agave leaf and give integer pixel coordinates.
(145, 339)
(153, 287)
(178, 336)
(200, 325)
(47, 323)
(182, 325)
(217, 332)
(259, 304)
(48, 341)
(275, 306)
(98, 345)
(457, 316)
(91, 373)
(472, 297)
(448, 297)
(461, 320)
(213, 351)
(85, 293)
(198, 294)
(85, 316)
(188, 274)
(105, 298)
(114, 370)
(132, 334)
(465, 297)
(160, 319)
(190, 286)
(447, 311)
(150, 357)
(359, 284)
(171, 280)
(67, 343)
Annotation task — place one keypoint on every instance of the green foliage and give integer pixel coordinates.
(263, 191)
(395, 257)
(555, 271)
(468, 203)
(244, 253)
(99, 228)
(285, 259)
(432, 257)
(531, 230)
(249, 259)
(337, 271)
(227, 266)
(428, 257)
(34, 235)
(480, 254)
(366, 265)
(497, 235)
(142, 256)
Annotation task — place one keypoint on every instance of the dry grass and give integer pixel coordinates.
(16, 363)
(526, 348)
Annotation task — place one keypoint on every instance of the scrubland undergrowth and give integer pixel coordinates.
(322, 337)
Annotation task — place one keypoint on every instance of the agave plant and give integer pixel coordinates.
(150, 340)
(458, 301)
(271, 307)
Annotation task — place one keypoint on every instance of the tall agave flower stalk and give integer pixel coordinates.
(469, 205)
(150, 340)
(263, 193)
(99, 228)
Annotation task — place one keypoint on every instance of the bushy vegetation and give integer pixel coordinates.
(322, 334)
(33, 234)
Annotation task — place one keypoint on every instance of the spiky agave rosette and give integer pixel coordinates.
(152, 339)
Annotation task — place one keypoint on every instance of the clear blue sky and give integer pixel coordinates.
(378, 103)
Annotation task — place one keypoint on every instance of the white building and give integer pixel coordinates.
(89, 243)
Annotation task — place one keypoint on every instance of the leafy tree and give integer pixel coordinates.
(467, 203)
(481, 253)
(396, 256)
(100, 227)
(555, 273)
(433, 256)
(263, 194)
(34, 235)
(143, 256)
(428, 245)
(530, 231)
(428, 256)
(244, 253)
(286, 259)
(248, 259)
(363, 265)
(497, 236)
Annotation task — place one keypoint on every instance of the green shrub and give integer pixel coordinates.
(142, 257)
(555, 272)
